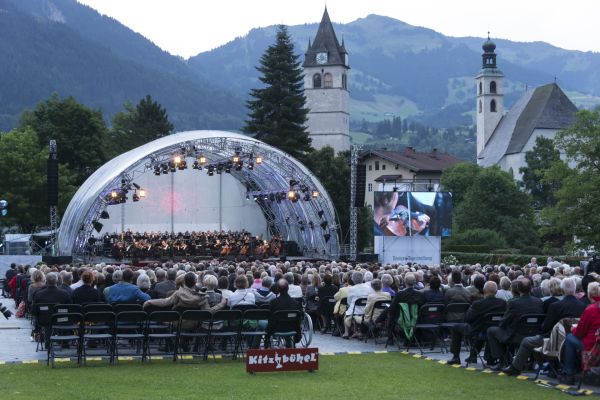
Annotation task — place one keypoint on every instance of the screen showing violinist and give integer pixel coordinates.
(412, 214)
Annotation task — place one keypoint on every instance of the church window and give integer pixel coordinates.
(316, 81)
(480, 88)
(344, 81)
(493, 106)
(376, 165)
(370, 187)
(370, 168)
(493, 87)
(383, 167)
(327, 80)
(480, 106)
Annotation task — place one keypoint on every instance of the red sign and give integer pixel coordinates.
(274, 360)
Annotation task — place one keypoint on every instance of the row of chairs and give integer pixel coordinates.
(143, 334)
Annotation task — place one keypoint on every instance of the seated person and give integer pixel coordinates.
(358, 291)
(434, 294)
(582, 336)
(474, 322)
(371, 314)
(124, 291)
(242, 295)
(263, 294)
(87, 293)
(284, 302)
(186, 297)
(409, 296)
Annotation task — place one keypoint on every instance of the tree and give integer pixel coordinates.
(138, 125)
(577, 210)
(79, 132)
(494, 201)
(277, 112)
(23, 177)
(458, 178)
(538, 161)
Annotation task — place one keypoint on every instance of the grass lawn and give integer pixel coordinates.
(371, 376)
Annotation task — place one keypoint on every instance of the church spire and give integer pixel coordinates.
(489, 54)
(325, 42)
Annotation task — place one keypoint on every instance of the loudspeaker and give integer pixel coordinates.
(291, 249)
(58, 260)
(361, 183)
(367, 257)
(52, 180)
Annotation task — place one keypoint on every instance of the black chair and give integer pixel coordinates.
(65, 329)
(121, 307)
(224, 328)
(490, 319)
(338, 319)
(43, 318)
(326, 307)
(265, 306)
(130, 328)
(98, 328)
(162, 325)
(373, 331)
(97, 307)
(253, 329)
(284, 326)
(528, 325)
(431, 318)
(67, 308)
(194, 331)
(358, 315)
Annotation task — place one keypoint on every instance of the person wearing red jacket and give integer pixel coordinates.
(583, 335)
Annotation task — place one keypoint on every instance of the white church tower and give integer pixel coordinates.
(326, 89)
(490, 97)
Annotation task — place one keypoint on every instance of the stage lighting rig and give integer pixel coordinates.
(202, 160)
(104, 215)
(164, 168)
(259, 160)
(157, 170)
(293, 196)
(315, 194)
(250, 165)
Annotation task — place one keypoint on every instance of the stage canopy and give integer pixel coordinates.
(268, 174)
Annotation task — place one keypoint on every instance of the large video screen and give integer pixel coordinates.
(412, 214)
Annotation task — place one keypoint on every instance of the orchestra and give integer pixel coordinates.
(161, 245)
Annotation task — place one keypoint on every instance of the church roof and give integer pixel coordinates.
(433, 161)
(545, 107)
(325, 41)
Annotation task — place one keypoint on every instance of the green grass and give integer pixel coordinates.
(373, 376)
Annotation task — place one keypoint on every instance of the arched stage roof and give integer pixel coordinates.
(312, 224)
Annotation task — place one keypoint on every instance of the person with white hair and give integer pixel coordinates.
(358, 291)
(569, 306)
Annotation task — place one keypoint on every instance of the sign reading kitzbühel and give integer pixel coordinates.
(275, 360)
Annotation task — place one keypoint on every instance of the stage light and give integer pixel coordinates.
(255, 198)
(327, 236)
(250, 165)
(165, 169)
(311, 225)
(182, 165)
(211, 170)
(228, 168)
(238, 166)
(291, 195)
(97, 226)
(307, 197)
(196, 165)
(219, 168)
(259, 160)
(156, 170)
(324, 224)
(321, 213)
(104, 215)
(142, 193)
(136, 198)
(114, 194)
(172, 166)
(202, 160)
(315, 194)
(123, 199)
(135, 185)
(247, 197)
(235, 159)
(266, 197)
(293, 182)
(177, 160)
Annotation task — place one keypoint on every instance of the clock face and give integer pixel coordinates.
(321, 58)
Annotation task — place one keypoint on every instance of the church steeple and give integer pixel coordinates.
(325, 46)
(489, 54)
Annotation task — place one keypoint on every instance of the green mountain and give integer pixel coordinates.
(62, 46)
(403, 70)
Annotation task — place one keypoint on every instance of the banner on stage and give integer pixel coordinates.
(275, 360)
(404, 249)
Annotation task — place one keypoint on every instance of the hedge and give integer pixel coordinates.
(518, 259)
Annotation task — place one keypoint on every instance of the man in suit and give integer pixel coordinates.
(569, 306)
(51, 294)
(164, 289)
(284, 302)
(409, 296)
(456, 294)
(499, 337)
(475, 322)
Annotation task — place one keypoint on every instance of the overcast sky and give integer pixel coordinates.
(187, 27)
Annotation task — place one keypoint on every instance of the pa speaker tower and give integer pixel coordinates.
(361, 179)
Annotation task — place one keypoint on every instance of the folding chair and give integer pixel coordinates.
(528, 325)
(431, 317)
(265, 306)
(285, 325)
(67, 308)
(43, 318)
(194, 330)
(225, 327)
(163, 325)
(326, 306)
(407, 319)
(130, 326)
(65, 328)
(253, 329)
(120, 307)
(360, 302)
(372, 330)
(97, 307)
(454, 308)
(98, 327)
(339, 328)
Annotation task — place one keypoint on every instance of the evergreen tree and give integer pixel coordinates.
(539, 160)
(277, 112)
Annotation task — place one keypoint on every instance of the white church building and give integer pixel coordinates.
(503, 138)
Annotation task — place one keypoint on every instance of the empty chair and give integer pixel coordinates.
(97, 307)
(130, 332)
(98, 328)
(224, 329)
(162, 326)
(120, 307)
(66, 330)
(253, 329)
(194, 330)
(429, 324)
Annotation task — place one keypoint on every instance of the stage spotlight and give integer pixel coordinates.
(165, 169)
(211, 170)
(311, 225)
(324, 224)
(228, 168)
(272, 197)
(182, 165)
(293, 182)
(135, 185)
(321, 213)
(123, 199)
(97, 226)
(236, 159)
(114, 194)
(141, 193)
(136, 198)
(202, 160)
(327, 236)
(219, 168)
(291, 195)
(177, 160)
(172, 166)
(315, 194)
(196, 165)
(307, 197)
(156, 170)
(259, 160)
(255, 198)
(266, 197)
(104, 215)
(247, 197)
(250, 165)
(238, 166)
